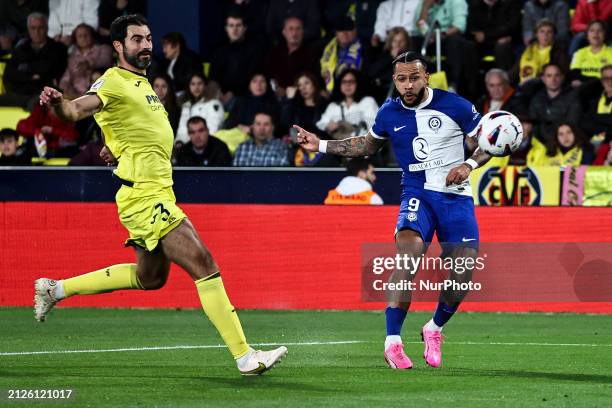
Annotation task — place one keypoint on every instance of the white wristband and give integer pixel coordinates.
(323, 146)
(472, 163)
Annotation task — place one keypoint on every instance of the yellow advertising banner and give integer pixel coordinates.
(598, 187)
(516, 185)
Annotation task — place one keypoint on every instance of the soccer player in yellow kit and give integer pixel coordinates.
(139, 138)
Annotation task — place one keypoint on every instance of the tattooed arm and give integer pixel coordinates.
(350, 147)
(70, 111)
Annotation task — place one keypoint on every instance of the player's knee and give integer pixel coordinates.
(153, 283)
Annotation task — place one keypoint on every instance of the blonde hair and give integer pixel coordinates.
(392, 33)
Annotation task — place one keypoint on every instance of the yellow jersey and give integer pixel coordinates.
(590, 64)
(532, 61)
(136, 128)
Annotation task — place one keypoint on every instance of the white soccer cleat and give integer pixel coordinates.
(259, 361)
(44, 297)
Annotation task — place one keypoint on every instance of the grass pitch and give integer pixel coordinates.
(489, 360)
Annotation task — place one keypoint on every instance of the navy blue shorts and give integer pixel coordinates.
(450, 216)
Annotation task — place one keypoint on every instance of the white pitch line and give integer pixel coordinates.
(185, 347)
(476, 343)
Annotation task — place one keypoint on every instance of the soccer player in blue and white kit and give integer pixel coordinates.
(427, 128)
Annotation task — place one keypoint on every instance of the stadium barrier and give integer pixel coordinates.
(271, 256)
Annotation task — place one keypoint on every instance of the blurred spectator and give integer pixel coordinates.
(556, 11)
(604, 155)
(304, 106)
(350, 113)
(263, 149)
(89, 154)
(587, 11)
(494, 24)
(11, 154)
(51, 135)
(8, 35)
(109, 10)
(252, 10)
(15, 13)
(180, 62)
(85, 57)
(65, 15)
(396, 13)
(544, 50)
(306, 10)
(553, 104)
(362, 11)
(529, 146)
(500, 95)
(199, 104)
(356, 187)
(342, 52)
(596, 120)
(165, 92)
(234, 62)
(260, 98)
(285, 61)
(588, 61)
(451, 15)
(203, 149)
(37, 61)
(568, 148)
(380, 70)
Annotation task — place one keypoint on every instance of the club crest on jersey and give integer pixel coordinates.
(411, 216)
(435, 123)
(97, 85)
(420, 147)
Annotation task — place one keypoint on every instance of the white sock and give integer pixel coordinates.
(432, 326)
(59, 290)
(391, 340)
(241, 361)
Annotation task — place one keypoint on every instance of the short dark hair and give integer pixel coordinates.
(408, 57)
(196, 119)
(354, 166)
(175, 39)
(268, 114)
(118, 28)
(7, 133)
(552, 64)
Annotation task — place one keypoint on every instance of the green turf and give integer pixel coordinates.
(344, 375)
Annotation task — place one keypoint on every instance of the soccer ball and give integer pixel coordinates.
(499, 133)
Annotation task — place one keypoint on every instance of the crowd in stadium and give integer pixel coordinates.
(325, 65)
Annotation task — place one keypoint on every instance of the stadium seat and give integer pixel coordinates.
(57, 161)
(2, 68)
(9, 116)
(206, 68)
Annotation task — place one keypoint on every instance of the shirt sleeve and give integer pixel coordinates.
(467, 117)
(105, 89)
(378, 128)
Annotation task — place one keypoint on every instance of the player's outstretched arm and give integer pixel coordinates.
(70, 111)
(459, 174)
(349, 147)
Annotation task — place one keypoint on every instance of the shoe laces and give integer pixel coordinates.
(436, 340)
(398, 349)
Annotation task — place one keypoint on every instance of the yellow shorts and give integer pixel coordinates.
(148, 215)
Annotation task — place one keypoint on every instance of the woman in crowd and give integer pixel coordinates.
(85, 57)
(350, 113)
(260, 98)
(587, 62)
(568, 148)
(380, 70)
(304, 105)
(199, 104)
(542, 51)
(162, 85)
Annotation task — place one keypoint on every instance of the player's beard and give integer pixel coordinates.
(418, 100)
(135, 61)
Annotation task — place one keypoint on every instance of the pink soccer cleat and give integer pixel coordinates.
(433, 341)
(396, 358)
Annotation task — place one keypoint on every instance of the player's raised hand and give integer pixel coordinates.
(50, 96)
(308, 141)
(459, 174)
